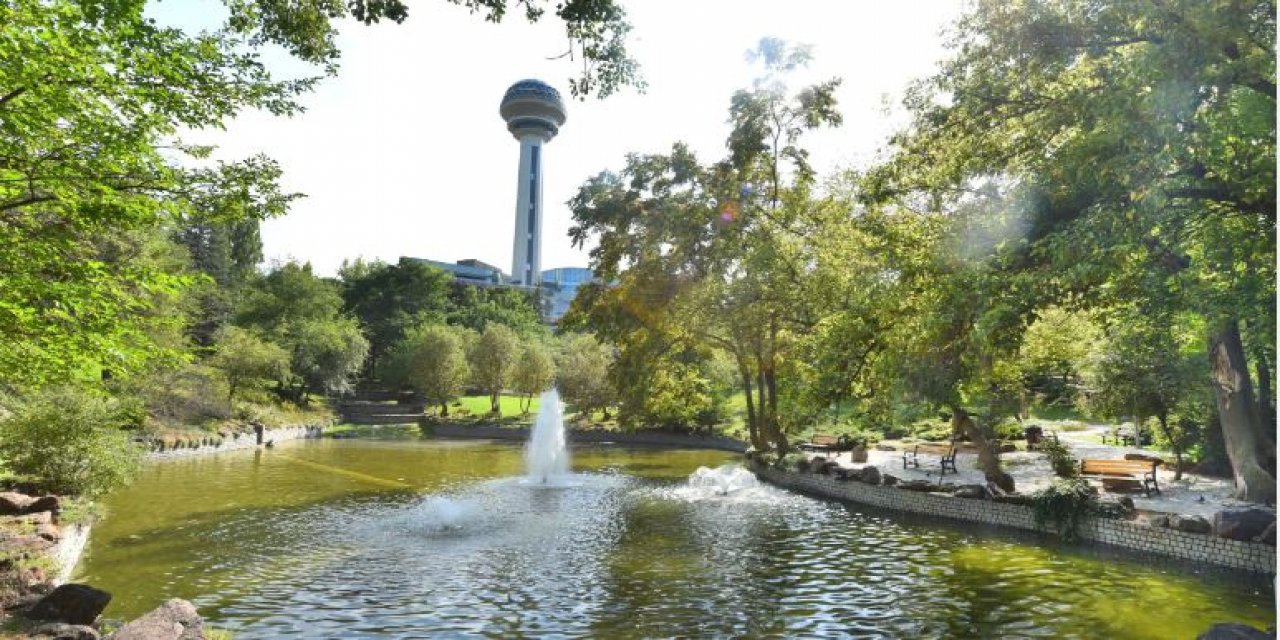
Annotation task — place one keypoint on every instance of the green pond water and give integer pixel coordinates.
(412, 537)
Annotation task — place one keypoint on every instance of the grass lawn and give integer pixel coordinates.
(478, 406)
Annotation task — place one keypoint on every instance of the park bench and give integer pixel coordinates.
(821, 442)
(1125, 436)
(946, 453)
(1141, 471)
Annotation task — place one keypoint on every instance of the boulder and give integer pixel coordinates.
(23, 546)
(871, 475)
(49, 531)
(176, 619)
(1268, 536)
(12, 503)
(1242, 523)
(1008, 447)
(47, 503)
(886, 447)
(1121, 507)
(1159, 522)
(971, 491)
(858, 454)
(1014, 498)
(889, 480)
(919, 485)
(71, 603)
(62, 631)
(1190, 524)
(1234, 631)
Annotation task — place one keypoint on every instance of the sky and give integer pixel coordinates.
(403, 153)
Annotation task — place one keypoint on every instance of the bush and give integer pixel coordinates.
(69, 442)
(1066, 504)
(1060, 459)
(931, 429)
(794, 461)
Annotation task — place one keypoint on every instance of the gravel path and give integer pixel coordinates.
(1193, 495)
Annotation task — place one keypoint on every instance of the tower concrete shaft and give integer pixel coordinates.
(526, 250)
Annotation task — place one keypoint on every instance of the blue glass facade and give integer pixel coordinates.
(561, 286)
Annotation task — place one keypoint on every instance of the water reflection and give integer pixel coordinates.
(308, 540)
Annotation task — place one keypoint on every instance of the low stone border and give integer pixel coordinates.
(1249, 556)
(651, 438)
(69, 549)
(246, 440)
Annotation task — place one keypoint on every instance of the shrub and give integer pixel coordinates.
(794, 461)
(1060, 459)
(1066, 504)
(67, 441)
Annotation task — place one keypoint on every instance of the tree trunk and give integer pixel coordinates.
(444, 408)
(605, 417)
(774, 429)
(753, 429)
(1266, 412)
(1174, 443)
(987, 457)
(1241, 426)
(494, 406)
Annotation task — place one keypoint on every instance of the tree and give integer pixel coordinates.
(247, 360)
(476, 307)
(93, 99)
(1143, 135)
(432, 360)
(493, 358)
(388, 299)
(68, 441)
(707, 256)
(533, 373)
(327, 353)
(1148, 367)
(1054, 350)
(583, 374)
(293, 308)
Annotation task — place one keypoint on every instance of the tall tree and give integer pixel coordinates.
(388, 299)
(583, 374)
(1144, 134)
(93, 98)
(432, 360)
(708, 255)
(301, 312)
(493, 357)
(533, 373)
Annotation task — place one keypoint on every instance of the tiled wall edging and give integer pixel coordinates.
(1248, 556)
(577, 436)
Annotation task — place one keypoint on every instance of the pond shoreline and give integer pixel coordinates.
(1253, 557)
(246, 440)
(580, 436)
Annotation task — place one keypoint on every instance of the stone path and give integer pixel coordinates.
(1193, 495)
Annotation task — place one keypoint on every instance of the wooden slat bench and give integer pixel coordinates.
(1141, 471)
(821, 442)
(946, 456)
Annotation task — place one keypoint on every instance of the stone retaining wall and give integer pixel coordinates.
(651, 438)
(246, 440)
(1248, 556)
(69, 549)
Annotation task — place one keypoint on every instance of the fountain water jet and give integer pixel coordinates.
(545, 456)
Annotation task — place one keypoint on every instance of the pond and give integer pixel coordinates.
(411, 537)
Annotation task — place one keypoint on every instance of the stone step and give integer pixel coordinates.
(407, 418)
(380, 409)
